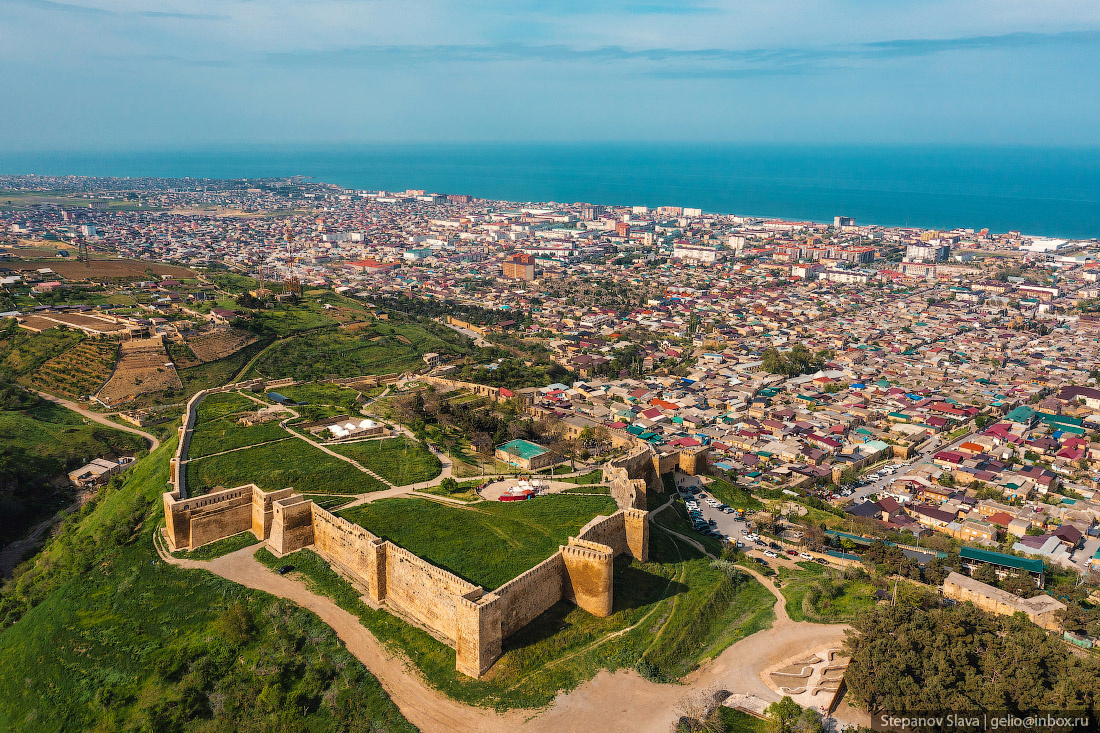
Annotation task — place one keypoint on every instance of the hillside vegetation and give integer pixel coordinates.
(39, 443)
(102, 635)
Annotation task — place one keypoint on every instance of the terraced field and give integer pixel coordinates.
(80, 370)
(142, 368)
(219, 344)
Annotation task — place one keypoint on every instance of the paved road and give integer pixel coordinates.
(734, 528)
(95, 416)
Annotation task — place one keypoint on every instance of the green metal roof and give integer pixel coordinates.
(1032, 565)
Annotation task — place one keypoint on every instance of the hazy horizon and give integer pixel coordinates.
(111, 74)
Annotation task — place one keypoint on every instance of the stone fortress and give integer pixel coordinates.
(465, 616)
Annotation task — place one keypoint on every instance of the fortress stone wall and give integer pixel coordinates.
(632, 477)
(470, 619)
(526, 596)
(448, 385)
(465, 616)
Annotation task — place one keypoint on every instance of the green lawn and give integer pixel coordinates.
(586, 489)
(217, 430)
(822, 596)
(332, 503)
(735, 496)
(315, 393)
(111, 638)
(400, 460)
(289, 463)
(487, 543)
(565, 645)
(463, 491)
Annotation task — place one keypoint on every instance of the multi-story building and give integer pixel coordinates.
(520, 267)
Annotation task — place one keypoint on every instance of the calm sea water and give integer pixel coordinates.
(1040, 191)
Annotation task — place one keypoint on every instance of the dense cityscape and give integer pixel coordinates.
(881, 404)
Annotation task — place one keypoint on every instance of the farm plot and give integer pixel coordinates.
(102, 269)
(143, 367)
(219, 344)
(79, 371)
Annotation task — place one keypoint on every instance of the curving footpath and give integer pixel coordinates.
(95, 416)
(611, 701)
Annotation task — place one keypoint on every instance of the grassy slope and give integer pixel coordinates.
(118, 640)
(374, 350)
(805, 603)
(734, 496)
(399, 460)
(23, 352)
(292, 463)
(488, 543)
(46, 442)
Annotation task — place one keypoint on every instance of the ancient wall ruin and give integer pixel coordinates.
(481, 390)
(632, 477)
(528, 595)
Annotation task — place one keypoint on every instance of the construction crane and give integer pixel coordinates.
(82, 254)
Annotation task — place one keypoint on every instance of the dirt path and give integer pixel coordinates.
(100, 418)
(294, 416)
(610, 702)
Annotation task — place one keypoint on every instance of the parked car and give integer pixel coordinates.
(805, 556)
(769, 553)
(821, 561)
(283, 570)
(792, 552)
(761, 561)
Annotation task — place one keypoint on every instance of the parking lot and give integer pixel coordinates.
(728, 525)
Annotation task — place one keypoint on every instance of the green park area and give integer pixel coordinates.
(217, 428)
(288, 463)
(401, 460)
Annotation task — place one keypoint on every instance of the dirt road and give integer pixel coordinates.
(100, 419)
(610, 702)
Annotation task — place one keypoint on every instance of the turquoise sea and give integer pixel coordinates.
(1039, 191)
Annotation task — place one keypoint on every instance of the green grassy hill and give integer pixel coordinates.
(102, 635)
(39, 443)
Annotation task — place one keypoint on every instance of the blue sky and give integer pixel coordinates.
(114, 74)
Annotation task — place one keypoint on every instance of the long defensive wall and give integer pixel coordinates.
(465, 616)
(470, 619)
